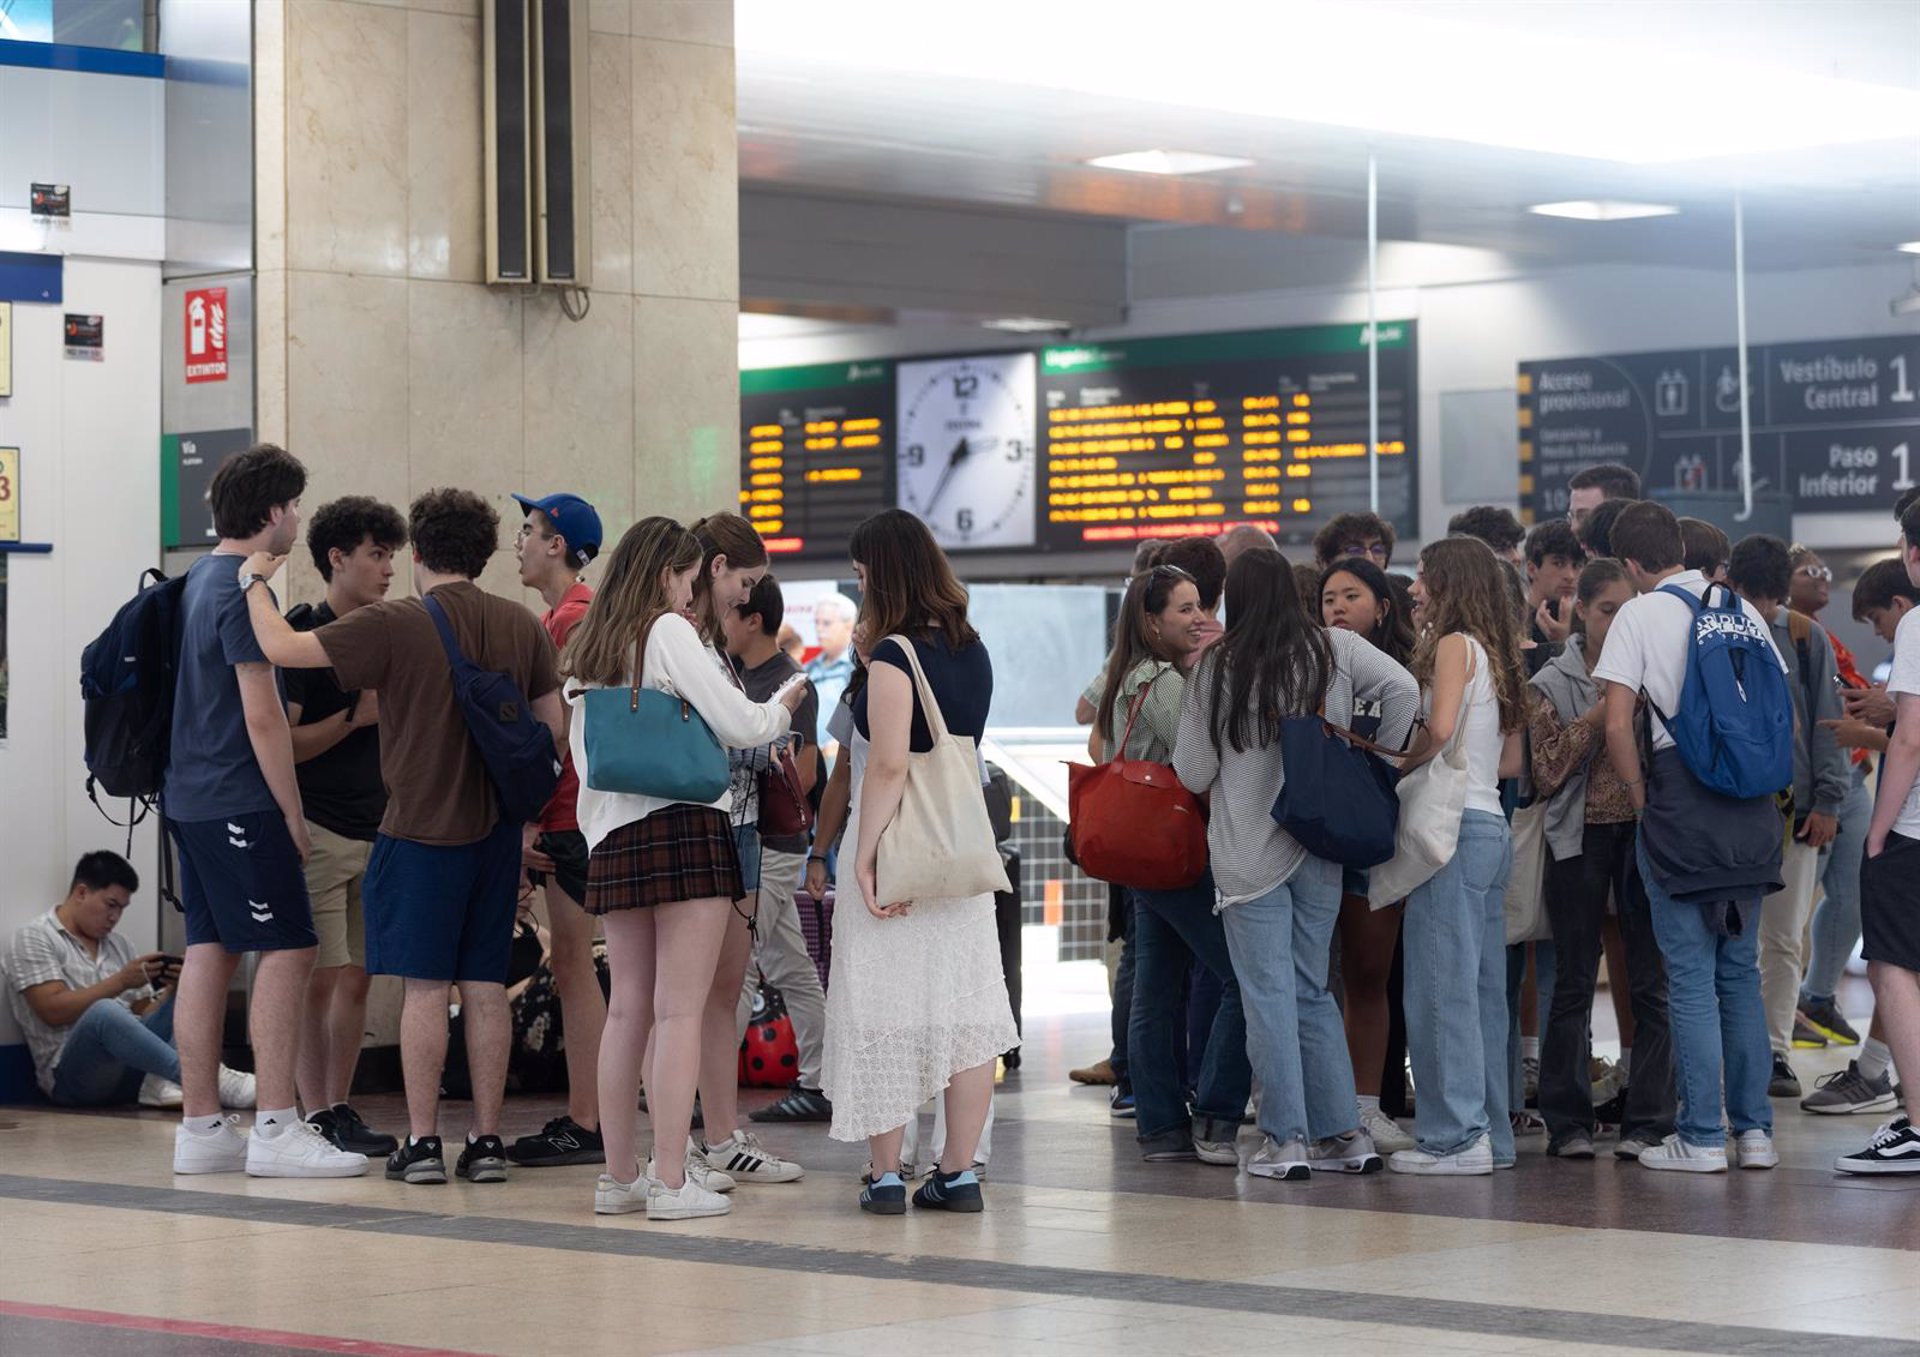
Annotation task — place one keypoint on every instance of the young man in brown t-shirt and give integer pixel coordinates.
(443, 882)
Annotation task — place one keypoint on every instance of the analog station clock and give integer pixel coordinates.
(966, 460)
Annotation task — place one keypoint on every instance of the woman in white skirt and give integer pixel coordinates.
(916, 1001)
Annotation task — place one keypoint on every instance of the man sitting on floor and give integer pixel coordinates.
(98, 1019)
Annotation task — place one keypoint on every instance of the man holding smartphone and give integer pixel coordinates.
(97, 1018)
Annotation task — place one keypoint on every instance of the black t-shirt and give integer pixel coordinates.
(962, 683)
(341, 790)
(760, 683)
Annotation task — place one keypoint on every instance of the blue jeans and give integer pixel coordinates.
(1713, 1008)
(1171, 929)
(1279, 944)
(1836, 924)
(109, 1051)
(1123, 1001)
(1456, 993)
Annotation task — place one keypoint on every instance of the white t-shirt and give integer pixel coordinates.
(1647, 647)
(1906, 679)
(1477, 730)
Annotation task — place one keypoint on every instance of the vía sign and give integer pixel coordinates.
(206, 334)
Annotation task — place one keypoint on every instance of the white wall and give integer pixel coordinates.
(89, 435)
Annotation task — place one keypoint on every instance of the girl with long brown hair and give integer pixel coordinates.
(1473, 684)
(663, 874)
(917, 1001)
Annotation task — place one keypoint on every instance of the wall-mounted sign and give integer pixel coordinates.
(206, 336)
(1835, 423)
(52, 200)
(187, 464)
(6, 349)
(86, 338)
(9, 494)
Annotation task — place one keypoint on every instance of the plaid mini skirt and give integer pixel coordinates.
(680, 853)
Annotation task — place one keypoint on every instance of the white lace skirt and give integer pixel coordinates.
(911, 1001)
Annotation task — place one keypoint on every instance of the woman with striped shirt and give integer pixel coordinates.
(1277, 901)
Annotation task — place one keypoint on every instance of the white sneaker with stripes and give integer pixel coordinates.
(744, 1159)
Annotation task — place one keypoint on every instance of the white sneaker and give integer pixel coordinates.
(1473, 1162)
(1676, 1155)
(1754, 1150)
(1350, 1153)
(236, 1088)
(701, 1172)
(686, 1202)
(299, 1150)
(1225, 1153)
(611, 1197)
(748, 1161)
(158, 1092)
(1287, 1162)
(221, 1150)
(1386, 1133)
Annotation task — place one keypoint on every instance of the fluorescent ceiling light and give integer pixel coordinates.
(1602, 209)
(1169, 162)
(1910, 247)
(1026, 325)
(1641, 101)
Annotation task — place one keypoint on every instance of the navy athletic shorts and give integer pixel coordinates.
(242, 883)
(443, 913)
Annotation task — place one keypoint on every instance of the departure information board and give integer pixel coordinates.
(1835, 424)
(1187, 436)
(817, 453)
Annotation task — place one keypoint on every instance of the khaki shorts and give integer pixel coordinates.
(336, 869)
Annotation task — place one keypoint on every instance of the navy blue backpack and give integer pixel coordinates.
(1734, 725)
(127, 679)
(514, 744)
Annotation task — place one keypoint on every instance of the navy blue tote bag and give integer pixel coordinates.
(1338, 800)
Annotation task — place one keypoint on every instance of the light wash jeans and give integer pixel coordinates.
(1713, 1007)
(1455, 938)
(109, 1052)
(1295, 1036)
(1836, 924)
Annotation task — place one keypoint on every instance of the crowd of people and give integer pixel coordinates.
(1553, 670)
(337, 804)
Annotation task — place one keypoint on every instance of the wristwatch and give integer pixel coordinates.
(249, 578)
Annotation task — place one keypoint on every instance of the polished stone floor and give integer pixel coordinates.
(1082, 1247)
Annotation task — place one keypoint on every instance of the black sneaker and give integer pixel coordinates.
(345, 1129)
(418, 1161)
(561, 1141)
(800, 1104)
(1612, 1112)
(1785, 1083)
(949, 1192)
(483, 1161)
(886, 1196)
(1895, 1149)
(1825, 1018)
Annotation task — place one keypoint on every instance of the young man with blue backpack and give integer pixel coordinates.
(1718, 720)
(471, 722)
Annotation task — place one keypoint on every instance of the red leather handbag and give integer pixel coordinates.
(1132, 823)
(785, 812)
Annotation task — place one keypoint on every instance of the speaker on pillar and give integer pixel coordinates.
(562, 205)
(506, 53)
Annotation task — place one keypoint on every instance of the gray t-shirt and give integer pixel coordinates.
(211, 772)
(44, 951)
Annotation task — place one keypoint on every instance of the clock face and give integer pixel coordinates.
(966, 461)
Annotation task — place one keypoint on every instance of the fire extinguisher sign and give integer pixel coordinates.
(206, 316)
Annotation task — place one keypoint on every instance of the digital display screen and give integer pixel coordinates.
(1835, 423)
(817, 454)
(1173, 437)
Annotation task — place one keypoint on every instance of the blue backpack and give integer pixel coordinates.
(514, 744)
(127, 678)
(1734, 725)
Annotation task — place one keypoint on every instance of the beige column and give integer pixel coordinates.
(389, 367)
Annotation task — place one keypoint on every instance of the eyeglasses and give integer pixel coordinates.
(1379, 551)
(527, 530)
(1815, 572)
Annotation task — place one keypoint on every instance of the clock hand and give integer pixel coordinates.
(960, 453)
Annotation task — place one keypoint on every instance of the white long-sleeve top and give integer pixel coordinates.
(679, 663)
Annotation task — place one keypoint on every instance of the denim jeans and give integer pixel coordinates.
(1456, 993)
(1123, 999)
(109, 1051)
(1577, 889)
(1170, 930)
(1713, 1005)
(1836, 924)
(1298, 1042)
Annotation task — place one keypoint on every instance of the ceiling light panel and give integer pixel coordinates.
(1634, 102)
(1602, 209)
(1170, 162)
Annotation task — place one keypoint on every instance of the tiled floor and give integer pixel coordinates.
(1082, 1248)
